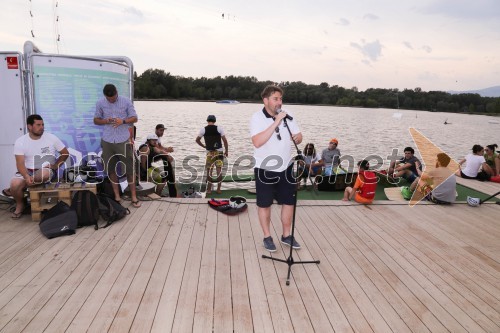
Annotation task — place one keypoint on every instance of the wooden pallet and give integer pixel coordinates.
(47, 195)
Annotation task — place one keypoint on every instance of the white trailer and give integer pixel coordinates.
(63, 89)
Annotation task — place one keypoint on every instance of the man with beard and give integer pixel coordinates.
(35, 159)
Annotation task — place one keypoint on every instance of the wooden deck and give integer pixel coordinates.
(179, 266)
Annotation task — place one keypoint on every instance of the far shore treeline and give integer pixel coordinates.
(156, 84)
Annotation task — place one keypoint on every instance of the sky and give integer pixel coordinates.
(431, 44)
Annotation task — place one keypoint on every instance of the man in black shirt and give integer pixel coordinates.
(214, 137)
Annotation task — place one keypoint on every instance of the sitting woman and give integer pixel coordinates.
(492, 159)
(366, 184)
(311, 165)
(475, 162)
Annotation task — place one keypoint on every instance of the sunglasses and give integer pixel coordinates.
(277, 130)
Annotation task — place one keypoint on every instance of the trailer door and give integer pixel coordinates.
(12, 111)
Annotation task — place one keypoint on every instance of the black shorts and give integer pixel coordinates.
(274, 185)
(465, 176)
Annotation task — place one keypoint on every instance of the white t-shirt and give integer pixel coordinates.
(38, 152)
(274, 155)
(312, 159)
(473, 163)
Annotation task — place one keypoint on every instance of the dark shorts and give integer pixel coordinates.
(465, 176)
(274, 185)
(113, 153)
(410, 177)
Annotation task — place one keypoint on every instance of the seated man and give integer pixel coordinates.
(149, 153)
(35, 160)
(438, 185)
(330, 157)
(406, 166)
(159, 131)
(168, 161)
(366, 184)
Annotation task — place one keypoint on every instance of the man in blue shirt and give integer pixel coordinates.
(117, 114)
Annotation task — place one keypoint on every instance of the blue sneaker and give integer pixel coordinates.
(288, 241)
(269, 244)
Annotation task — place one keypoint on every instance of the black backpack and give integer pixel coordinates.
(86, 205)
(106, 187)
(58, 221)
(110, 209)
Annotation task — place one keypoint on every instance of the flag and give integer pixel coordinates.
(12, 63)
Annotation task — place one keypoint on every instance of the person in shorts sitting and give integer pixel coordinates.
(36, 161)
(475, 162)
(406, 166)
(330, 157)
(365, 186)
(439, 184)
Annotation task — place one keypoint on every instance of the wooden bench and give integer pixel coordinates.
(47, 195)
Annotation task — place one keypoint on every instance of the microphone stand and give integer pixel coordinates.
(290, 261)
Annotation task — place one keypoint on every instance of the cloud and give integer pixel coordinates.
(427, 48)
(133, 11)
(372, 50)
(479, 9)
(372, 17)
(344, 22)
(310, 51)
(408, 45)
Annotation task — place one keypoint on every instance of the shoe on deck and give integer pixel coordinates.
(269, 244)
(288, 241)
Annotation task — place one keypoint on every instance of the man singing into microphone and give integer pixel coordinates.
(274, 164)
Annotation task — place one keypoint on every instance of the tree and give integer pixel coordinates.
(158, 84)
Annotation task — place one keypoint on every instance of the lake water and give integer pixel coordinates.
(361, 132)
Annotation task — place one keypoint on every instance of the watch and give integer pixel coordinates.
(124, 120)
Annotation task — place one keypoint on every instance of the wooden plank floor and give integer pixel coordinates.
(179, 266)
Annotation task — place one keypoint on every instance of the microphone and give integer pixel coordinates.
(287, 116)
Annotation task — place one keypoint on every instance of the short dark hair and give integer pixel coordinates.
(31, 119)
(443, 159)
(160, 126)
(269, 90)
(410, 149)
(364, 164)
(477, 149)
(109, 90)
